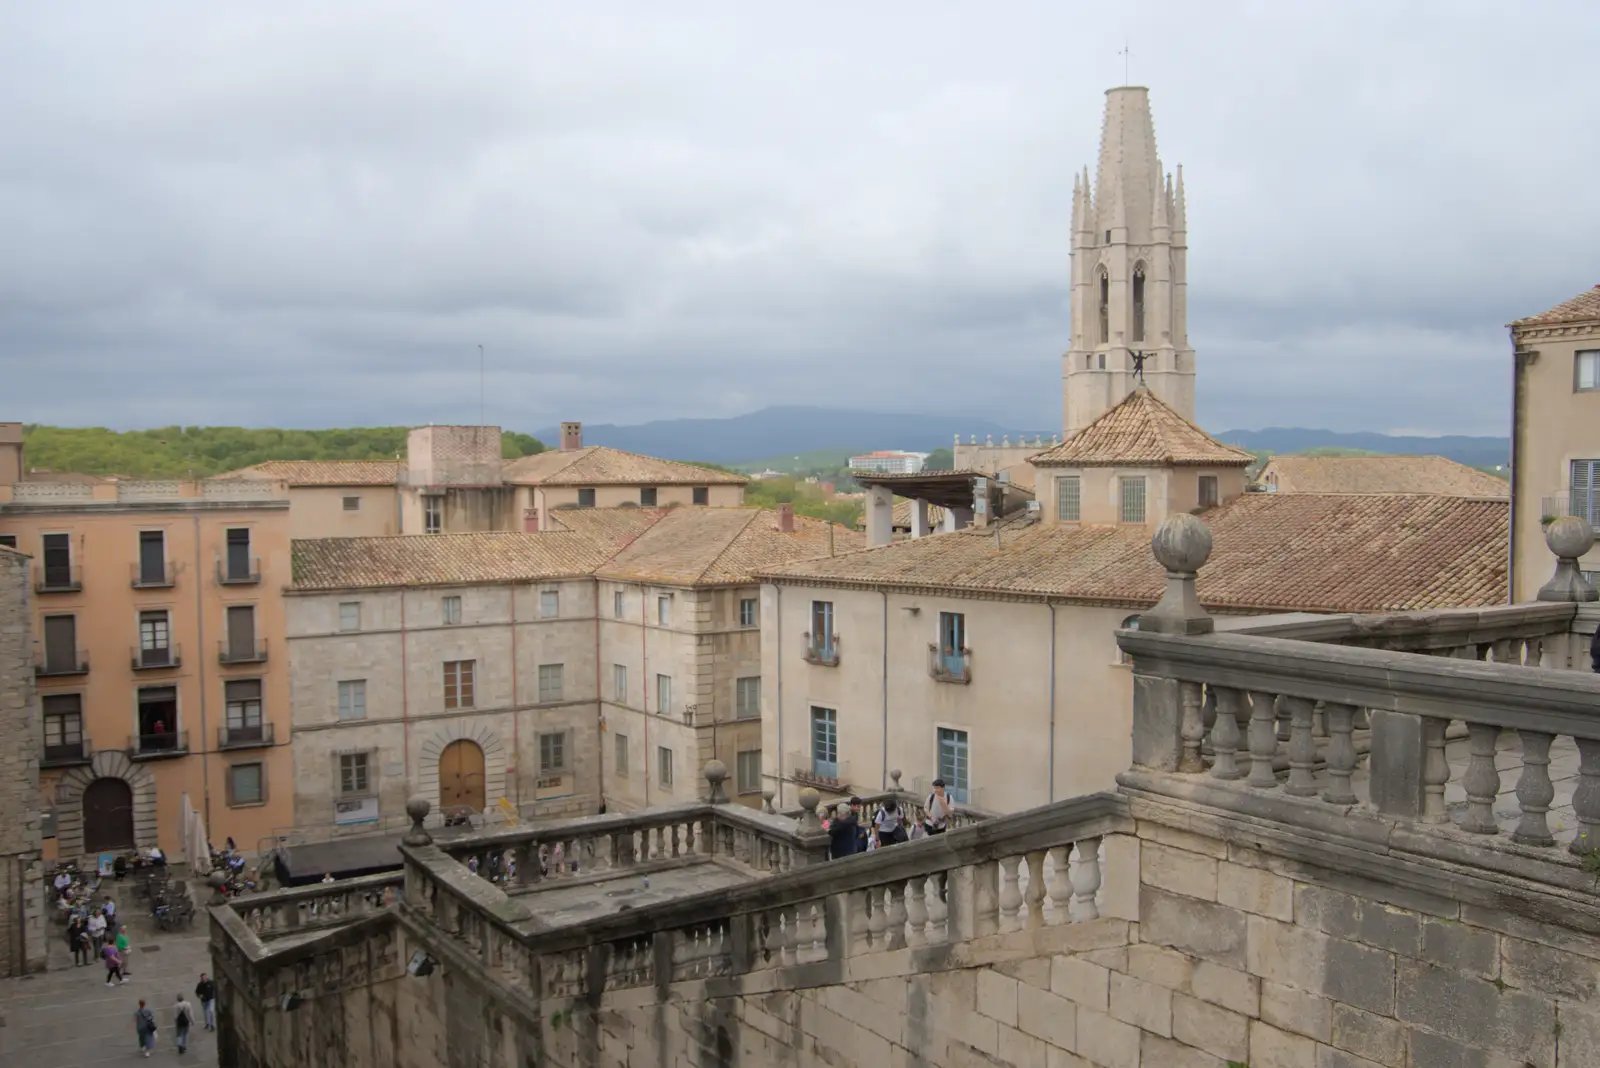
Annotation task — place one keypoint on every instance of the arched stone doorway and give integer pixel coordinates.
(107, 816)
(461, 783)
(71, 801)
(471, 775)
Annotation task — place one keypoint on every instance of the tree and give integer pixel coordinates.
(940, 460)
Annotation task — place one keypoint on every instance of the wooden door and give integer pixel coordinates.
(107, 816)
(461, 782)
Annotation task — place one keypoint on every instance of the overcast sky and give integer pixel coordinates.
(312, 214)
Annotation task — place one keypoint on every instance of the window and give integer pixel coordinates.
(243, 699)
(619, 747)
(152, 558)
(824, 742)
(458, 683)
(953, 763)
(8, 540)
(647, 497)
(432, 514)
(1586, 490)
(1208, 491)
(1105, 307)
(1102, 357)
(618, 604)
(549, 604)
(1131, 623)
(664, 767)
(353, 699)
(749, 611)
(155, 639)
(57, 561)
(240, 643)
(355, 778)
(1132, 498)
(238, 562)
(822, 647)
(586, 498)
(352, 504)
(747, 697)
(552, 753)
(1069, 503)
(246, 785)
(349, 615)
(1138, 303)
(63, 726)
(1586, 370)
(952, 651)
(663, 611)
(663, 694)
(158, 719)
(747, 772)
(452, 610)
(61, 645)
(702, 495)
(549, 682)
(619, 683)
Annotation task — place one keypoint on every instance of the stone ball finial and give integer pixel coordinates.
(217, 880)
(894, 777)
(417, 808)
(809, 800)
(716, 773)
(1568, 537)
(1182, 544)
(766, 802)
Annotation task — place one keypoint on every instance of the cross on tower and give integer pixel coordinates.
(1126, 53)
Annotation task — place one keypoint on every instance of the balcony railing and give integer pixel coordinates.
(1583, 503)
(246, 737)
(241, 652)
(166, 656)
(66, 754)
(822, 649)
(152, 578)
(165, 744)
(829, 776)
(57, 579)
(49, 662)
(949, 665)
(245, 572)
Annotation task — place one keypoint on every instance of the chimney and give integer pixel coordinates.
(571, 437)
(786, 518)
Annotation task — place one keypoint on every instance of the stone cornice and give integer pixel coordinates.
(1532, 331)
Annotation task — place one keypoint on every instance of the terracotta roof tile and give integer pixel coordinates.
(611, 527)
(1381, 474)
(597, 465)
(325, 472)
(442, 559)
(1584, 307)
(700, 546)
(1142, 430)
(1273, 553)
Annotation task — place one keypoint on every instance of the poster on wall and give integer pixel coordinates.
(355, 810)
(106, 863)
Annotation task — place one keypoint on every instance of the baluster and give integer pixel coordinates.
(1586, 798)
(1534, 651)
(1505, 651)
(691, 839)
(818, 932)
(1263, 741)
(1534, 790)
(1482, 778)
(1341, 754)
(858, 914)
(1192, 728)
(771, 939)
(897, 916)
(1302, 749)
(917, 911)
(677, 833)
(1319, 721)
(938, 907)
(1208, 721)
(1435, 769)
(877, 918)
(1010, 895)
(1035, 892)
(1086, 879)
(1225, 735)
(791, 935)
(1061, 884)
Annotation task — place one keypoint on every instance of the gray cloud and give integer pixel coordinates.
(311, 214)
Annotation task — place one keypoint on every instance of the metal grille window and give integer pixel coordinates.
(825, 742)
(749, 612)
(458, 678)
(747, 697)
(953, 763)
(246, 785)
(452, 610)
(552, 753)
(1132, 498)
(620, 754)
(353, 699)
(1069, 504)
(664, 767)
(349, 615)
(1587, 370)
(702, 495)
(663, 611)
(549, 682)
(618, 604)
(549, 604)
(619, 683)
(747, 777)
(647, 497)
(432, 515)
(663, 694)
(355, 779)
(586, 497)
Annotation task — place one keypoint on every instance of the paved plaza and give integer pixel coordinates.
(67, 1017)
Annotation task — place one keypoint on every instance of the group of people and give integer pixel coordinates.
(851, 830)
(145, 1028)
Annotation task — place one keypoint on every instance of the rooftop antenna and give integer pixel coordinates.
(482, 419)
(1127, 51)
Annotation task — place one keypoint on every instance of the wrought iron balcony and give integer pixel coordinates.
(66, 754)
(247, 737)
(236, 572)
(166, 656)
(822, 649)
(51, 662)
(160, 576)
(55, 578)
(242, 653)
(154, 746)
(949, 665)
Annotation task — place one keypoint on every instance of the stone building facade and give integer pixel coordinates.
(22, 921)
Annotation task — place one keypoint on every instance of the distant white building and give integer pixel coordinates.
(889, 462)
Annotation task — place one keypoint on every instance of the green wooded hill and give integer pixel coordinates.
(199, 451)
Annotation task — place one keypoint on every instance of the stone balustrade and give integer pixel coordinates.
(913, 804)
(296, 909)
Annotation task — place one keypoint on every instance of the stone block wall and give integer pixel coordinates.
(22, 921)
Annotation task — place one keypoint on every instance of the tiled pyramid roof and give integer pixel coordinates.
(1585, 307)
(1143, 431)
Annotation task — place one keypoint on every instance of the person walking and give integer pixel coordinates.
(144, 1028)
(206, 991)
(97, 931)
(182, 1020)
(890, 823)
(113, 965)
(842, 833)
(110, 909)
(78, 941)
(122, 948)
(938, 808)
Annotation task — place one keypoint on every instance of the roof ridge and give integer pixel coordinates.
(728, 545)
(661, 513)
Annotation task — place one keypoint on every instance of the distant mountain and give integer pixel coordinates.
(1474, 451)
(785, 431)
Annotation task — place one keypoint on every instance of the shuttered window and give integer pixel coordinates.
(1069, 506)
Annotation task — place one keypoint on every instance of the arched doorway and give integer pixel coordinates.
(461, 778)
(107, 816)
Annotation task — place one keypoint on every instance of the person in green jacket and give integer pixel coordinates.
(122, 947)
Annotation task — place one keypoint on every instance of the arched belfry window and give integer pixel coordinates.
(1105, 307)
(1138, 303)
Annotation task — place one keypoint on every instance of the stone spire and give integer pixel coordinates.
(1128, 167)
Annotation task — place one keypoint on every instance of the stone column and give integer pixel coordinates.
(919, 519)
(957, 518)
(880, 516)
(1182, 544)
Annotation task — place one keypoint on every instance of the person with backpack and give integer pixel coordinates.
(144, 1026)
(937, 819)
(890, 823)
(182, 1020)
(206, 991)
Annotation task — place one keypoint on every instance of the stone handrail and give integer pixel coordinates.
(912, 804)
(1518, 633)
(1227, 697)
(1041, 867)
(296, 909)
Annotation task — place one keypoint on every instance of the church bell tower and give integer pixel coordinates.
(1129, 273)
